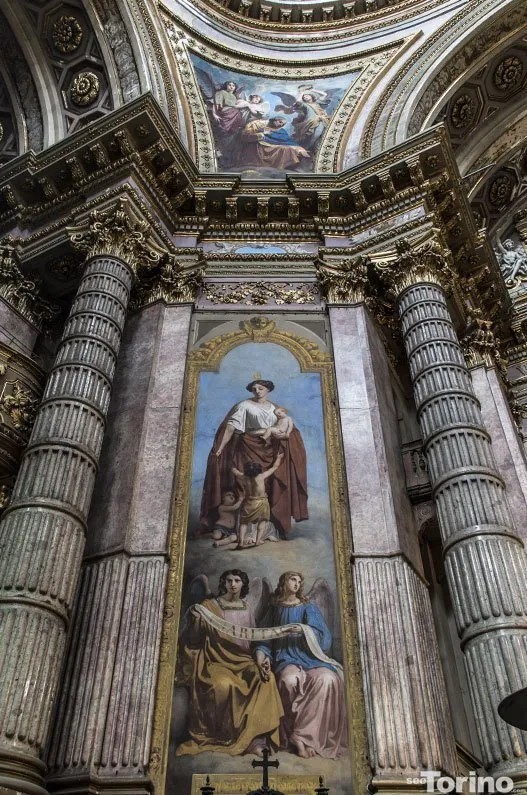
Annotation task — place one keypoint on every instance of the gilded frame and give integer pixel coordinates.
(311, 358)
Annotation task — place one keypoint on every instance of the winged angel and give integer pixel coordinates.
(230, 110)
(257, 669)
(311, 119)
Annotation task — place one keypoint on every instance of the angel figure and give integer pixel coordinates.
(513, 261)
(230, 110)
(234, 706)
(311, 119)
(310, 683)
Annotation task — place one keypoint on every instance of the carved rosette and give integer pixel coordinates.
(117, 232)
(173, 281)
(66, 34)
(84, 89)
(21, 293)
(410, 264)
(344, 282)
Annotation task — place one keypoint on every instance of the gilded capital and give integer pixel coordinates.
(117, 231)
(480, 345)
(172, 281)
(410, 263)
(344, 281)
(21, 293)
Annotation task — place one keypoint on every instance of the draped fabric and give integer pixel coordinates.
(230, 705)
(286, 488)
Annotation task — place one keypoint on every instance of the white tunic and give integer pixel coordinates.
(248, 416)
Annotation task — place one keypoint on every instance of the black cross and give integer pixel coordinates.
(266, 764)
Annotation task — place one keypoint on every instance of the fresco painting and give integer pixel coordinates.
(260, 661)
(264, 127)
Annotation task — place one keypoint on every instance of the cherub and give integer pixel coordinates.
(255, 505)
(224, 530)
(281, 429)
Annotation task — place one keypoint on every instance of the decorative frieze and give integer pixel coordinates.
(261, 293)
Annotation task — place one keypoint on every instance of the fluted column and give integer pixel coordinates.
(485, 561)
(43, 530)
(408, 718)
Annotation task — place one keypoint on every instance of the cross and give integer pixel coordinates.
(266, 764)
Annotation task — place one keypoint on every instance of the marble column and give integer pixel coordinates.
(42, 533)
(408, 720)
(485, 560)
(103, 723)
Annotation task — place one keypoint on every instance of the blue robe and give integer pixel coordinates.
(292, 649)
(279, 136)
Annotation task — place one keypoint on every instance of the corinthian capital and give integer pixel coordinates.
(418, 262)
(23, 294)
(117, 231)
(343, 281)
(173, 281)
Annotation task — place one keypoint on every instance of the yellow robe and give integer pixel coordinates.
(230, 705)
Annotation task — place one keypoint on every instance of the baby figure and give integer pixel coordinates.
(255, 506)
(224, 531)
(281, 429)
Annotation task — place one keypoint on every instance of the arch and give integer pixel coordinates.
(437, 68)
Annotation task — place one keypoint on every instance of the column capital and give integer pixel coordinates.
(343, 281)
(21, 293)
(174, 280)
(480, 345)
(120, 231)
(410, 262)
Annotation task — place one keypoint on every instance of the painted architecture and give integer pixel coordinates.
(263, 393)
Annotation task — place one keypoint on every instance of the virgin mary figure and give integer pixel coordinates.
(239, 441)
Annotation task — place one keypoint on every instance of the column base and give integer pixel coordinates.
(21, 773)
(92, 784)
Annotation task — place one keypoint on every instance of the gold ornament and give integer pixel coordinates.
(66, 34)
(84, 89)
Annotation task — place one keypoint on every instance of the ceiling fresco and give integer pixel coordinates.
(264, 127)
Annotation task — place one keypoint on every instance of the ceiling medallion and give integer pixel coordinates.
(462, 112)
(84, 89)
(508, 73)
(67, 34)
(501, 191)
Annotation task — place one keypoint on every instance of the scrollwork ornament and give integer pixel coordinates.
(117, 232)
(344, 282)
(260, 293)
(66, 34)
(84, 89)
(508, 73)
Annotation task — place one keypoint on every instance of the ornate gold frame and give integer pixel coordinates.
(208, 357)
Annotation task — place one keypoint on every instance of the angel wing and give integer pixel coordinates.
(287, 99)
(320, 594)
(198, 590)
(259, 597)
(206, 83)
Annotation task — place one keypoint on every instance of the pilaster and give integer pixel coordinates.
(409, 725)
